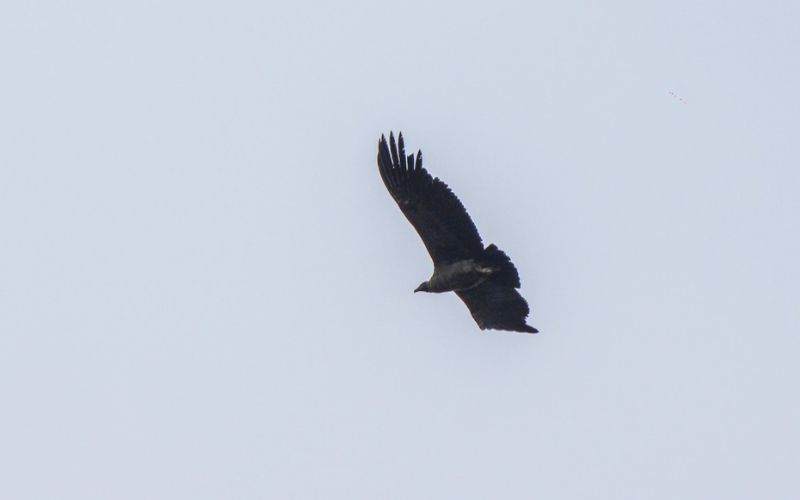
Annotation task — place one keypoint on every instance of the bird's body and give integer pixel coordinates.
(484, 278)
(460, 275)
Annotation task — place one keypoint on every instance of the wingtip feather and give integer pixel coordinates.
(402, 152)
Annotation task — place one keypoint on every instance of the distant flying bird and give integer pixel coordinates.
(484, 278)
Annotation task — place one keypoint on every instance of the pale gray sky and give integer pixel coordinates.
(206, 291)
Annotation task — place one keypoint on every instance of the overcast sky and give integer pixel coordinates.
(206, 291)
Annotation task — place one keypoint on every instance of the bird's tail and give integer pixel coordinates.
(506, 273)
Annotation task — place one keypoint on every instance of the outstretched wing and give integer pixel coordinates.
(497, 307)
(435, 212)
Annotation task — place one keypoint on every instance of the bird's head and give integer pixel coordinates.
(422, 288)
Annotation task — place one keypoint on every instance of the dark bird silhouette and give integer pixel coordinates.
(484, 278)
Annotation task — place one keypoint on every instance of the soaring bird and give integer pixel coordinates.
(484, 278)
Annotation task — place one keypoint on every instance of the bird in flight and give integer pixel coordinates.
(484, 278)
